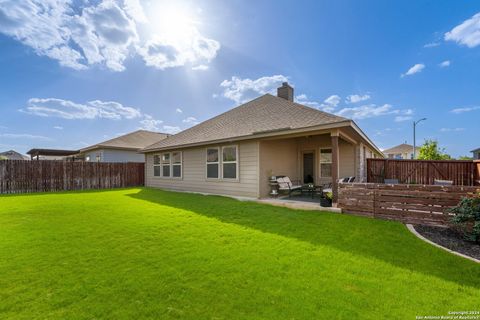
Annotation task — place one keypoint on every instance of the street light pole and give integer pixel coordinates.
(414, 137)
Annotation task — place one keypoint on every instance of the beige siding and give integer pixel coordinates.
(277, 157)
(194, 173)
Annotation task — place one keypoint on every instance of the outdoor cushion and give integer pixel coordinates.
(443, 182)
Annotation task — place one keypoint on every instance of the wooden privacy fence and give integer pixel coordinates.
(22, 176)
(462, 173)
(417, 204)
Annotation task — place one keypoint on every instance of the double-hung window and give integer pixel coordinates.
(213, 163)
(156, 165)
(177, 164)
(166, 165)
(325, 163)
(229, 162)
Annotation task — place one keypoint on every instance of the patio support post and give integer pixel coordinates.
(334, 167)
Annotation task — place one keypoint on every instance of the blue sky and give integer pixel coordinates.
(79, 72)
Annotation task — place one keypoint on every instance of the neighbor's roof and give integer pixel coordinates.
(475, 150)
(133, 141)
(13, 155)
(401, 148)
(265, 114)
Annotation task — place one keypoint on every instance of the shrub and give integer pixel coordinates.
(467, 218)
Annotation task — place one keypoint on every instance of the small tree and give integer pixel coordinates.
(3, 158)
(430, 151)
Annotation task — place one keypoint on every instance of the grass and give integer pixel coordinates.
(150, 254)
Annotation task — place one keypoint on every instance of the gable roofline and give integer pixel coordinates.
(475, 150)
(401, 148)
(107, 143)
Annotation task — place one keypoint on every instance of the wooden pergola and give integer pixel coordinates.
(52, 153)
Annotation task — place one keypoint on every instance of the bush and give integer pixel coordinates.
(467, 218)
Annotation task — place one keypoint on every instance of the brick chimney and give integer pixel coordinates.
(285, 92)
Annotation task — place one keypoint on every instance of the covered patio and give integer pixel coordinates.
(318, 158)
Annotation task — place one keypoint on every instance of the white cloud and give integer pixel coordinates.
(372, 110)
(242, 90)
(467, 33)
(191, 121)
(415, 69)
(149, 123)
(402, 118)
(163, 53)
(431, 45)
(178, 110)
(464, 109)
(354, 98)
(303, 99)
(58, 127)
(452, 129)
(200, 67)
(330, 103)
(366, 111)
(66, 109)
(24, 136)
(445, 63)
(171, 129)
(105, 32)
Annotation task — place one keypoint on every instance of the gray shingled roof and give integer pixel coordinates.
(134, 140)
(264, 114)
(401, 148)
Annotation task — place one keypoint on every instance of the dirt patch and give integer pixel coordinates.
(450, 239)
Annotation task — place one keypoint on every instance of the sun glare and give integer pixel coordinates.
(174, 22)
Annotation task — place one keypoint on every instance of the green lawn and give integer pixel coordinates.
(150, 254)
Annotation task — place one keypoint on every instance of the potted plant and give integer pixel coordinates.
(326, 200)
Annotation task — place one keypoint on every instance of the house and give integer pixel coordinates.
(13, 155)
(123, 148)
(402, 151)
(476, 154)
(236, 152)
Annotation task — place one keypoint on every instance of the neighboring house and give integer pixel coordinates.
(123, 148)
(402, 151)
(236, 152)
(13, 155)
(476, 154)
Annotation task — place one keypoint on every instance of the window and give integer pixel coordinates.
(176, 164)
(156, 165)
(229, 162)
(98, 157)
(212, 163)
(326, 163)
(166, 165)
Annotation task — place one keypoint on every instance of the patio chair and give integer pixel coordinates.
(328, 186)
(391, 181)
(442, 182)
(285, 184)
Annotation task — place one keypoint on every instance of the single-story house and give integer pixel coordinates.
(236, 152)
(13, 155)
(476, 154)
(402, 151)
(123, 148)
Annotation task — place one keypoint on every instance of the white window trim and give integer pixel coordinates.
(176, 164)
(157, 165)
(170, 164)
(236, 162)
(320, 161)
(218, 163)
